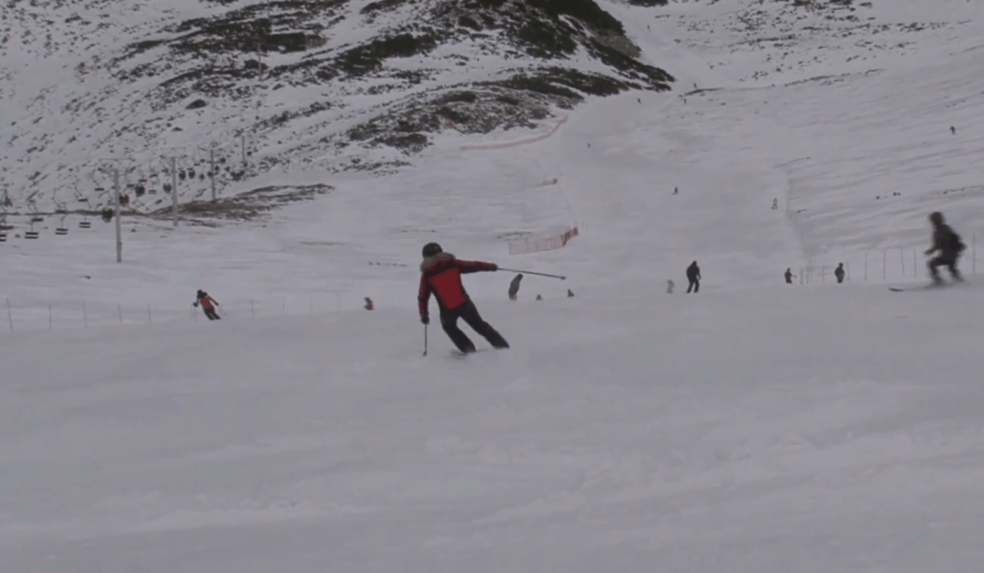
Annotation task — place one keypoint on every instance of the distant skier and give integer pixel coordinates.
(440, 275)
(789, 276)
(206, 302)
(949, 245)
(514, 286)
(693, 276)
(839, 272)
(669, 287)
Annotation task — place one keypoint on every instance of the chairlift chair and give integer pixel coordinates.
(35, 215)
(61, 229)
(31, 233)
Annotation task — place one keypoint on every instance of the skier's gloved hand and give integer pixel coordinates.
(425, 319)
(495, 267)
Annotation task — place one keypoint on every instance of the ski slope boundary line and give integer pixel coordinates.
(518, 142)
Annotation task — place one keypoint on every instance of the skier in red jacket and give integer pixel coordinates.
(441, 276)
(206, 302)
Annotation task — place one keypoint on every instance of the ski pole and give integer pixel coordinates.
(534, 273)
(425, 340)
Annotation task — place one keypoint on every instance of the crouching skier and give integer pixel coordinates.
(950, 246)
(206, 302)
(440, 275)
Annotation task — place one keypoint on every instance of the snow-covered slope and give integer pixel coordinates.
(752, 427)
(833, 430)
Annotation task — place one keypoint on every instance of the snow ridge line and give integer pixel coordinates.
(506, 144)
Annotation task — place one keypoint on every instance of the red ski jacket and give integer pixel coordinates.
(440, 275)
(206, 302)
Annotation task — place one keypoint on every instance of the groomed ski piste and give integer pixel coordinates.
(753, 427)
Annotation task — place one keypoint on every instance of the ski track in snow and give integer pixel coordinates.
(752, 427)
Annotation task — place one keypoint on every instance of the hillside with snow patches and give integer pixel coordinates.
(249, 88)
(752, 427)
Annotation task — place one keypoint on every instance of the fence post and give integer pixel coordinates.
(10, 317)
(884, 263)
(85, 316)
(902, 259)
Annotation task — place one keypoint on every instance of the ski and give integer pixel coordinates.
(464, 354)
(931, 286)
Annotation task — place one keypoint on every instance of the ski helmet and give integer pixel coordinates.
(431, 249)
(936, 218)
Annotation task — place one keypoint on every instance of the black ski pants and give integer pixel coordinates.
(211, 314)
(468, 313)
(694, 285)
(948, 260)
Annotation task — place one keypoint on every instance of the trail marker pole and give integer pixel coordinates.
(174, 191)
(119, 228)
(211, 168)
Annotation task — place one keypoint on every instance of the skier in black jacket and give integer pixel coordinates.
(949, 245)
(693, 276)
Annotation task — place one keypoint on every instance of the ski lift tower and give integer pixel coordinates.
(114, 166)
